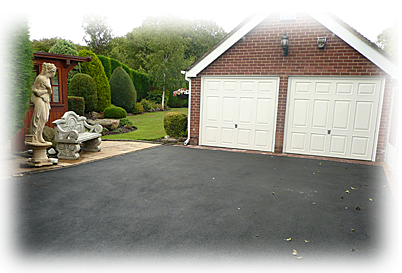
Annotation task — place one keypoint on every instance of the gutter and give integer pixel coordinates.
(189, 106)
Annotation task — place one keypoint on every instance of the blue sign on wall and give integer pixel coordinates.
(287, 16)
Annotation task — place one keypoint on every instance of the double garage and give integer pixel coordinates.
(325, 116)
(332, 101)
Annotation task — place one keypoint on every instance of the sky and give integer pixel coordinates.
(67, 25)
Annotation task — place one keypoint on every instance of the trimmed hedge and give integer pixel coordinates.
(175, 124)
(76, 104)
(83, 85)
(114, 112)
(20, 70)
(122, 90)
(95, 69)
(141, 81)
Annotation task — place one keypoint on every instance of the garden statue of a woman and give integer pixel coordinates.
(40, 97)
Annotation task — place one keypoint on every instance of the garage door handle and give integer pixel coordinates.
(329, 132)
(235, 125)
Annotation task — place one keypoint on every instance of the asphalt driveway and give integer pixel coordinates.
(168, 203)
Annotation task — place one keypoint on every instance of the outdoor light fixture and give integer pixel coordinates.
(285, 44)
(322, 41)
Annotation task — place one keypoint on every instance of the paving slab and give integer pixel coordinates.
(11, 165)
(179, 204)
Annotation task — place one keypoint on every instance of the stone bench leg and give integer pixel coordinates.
(92, 145)
(68, 150)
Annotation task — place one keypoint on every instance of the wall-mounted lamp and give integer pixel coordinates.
(322, 41)
(285, 44)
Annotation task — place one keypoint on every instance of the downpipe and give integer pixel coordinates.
(189, 108)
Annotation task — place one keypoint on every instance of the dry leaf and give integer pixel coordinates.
(273, 193)
(294, 252)
(352, 188)
(306, 241)
(353, 230)
(370, 199)
(256, 235)
(358, 208)
(347, 191)
(288, 239)
(299, 257)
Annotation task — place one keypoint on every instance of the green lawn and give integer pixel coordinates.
(149, 126)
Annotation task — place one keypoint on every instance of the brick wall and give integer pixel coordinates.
(261, 54)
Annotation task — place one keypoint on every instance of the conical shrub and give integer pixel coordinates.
(122, 90)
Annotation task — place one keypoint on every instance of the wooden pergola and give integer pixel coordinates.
(59, 99)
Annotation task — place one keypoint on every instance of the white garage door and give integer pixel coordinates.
(239, 112)
(336, 117)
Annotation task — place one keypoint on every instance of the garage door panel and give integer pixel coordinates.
(317, 143)
(244, 137)
(263, 110)
(227, 136)
(298, 141)
(212, 109)
(363, 116)
(341, 115)
(245, 110)
(239, 112)
(344, 89)
(262, 139)
(333, 116)
(338, 144)
(228, 109)
(266, 87)
(320, 114)
(211, 134)
(323, 88)
(300, 114)
(359, 146)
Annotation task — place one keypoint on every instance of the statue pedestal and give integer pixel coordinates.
(39, 158)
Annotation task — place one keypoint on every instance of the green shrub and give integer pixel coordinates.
(76, 104)
(113, 65)
(114, 112)
(106, 65)
(126, 122)
(138, 109)
(83, 85)
(95, 69)
(122, 90)
(175, 124)
(20, 69)
(146, 105)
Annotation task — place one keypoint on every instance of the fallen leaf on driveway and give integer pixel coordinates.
(358, 208)
(352, 188)
(370, 199)
(288, 239)
(294, 252)
(299, 257)
(306, 241)
(353, 230)
(273, 193)
(347, 191)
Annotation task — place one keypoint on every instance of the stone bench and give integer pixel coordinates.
(73, 133)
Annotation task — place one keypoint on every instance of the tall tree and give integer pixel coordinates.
(161, 50)
(20, 68)
(97, 33)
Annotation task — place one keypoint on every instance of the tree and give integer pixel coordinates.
(122, 90)
(388, 41)
(97, 33)
(67, 48)
(20, 67)
(44, 45)
(163, 50)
